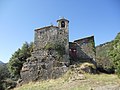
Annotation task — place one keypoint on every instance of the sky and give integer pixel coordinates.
(19, 19)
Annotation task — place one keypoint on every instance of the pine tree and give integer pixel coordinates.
(18, 58)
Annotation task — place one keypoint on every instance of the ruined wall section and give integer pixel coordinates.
(50, 35)
(87, 45)
(45, 35)
(83, 50)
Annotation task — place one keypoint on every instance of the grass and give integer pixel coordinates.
(63, 83)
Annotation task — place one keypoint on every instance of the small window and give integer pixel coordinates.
(62, 24)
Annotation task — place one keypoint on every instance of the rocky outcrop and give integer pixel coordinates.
(49, 67)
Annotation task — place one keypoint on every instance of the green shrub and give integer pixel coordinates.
(60, 48)
(50, 46)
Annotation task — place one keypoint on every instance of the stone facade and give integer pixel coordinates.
(82, 50)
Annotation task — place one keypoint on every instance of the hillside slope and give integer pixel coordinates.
(91, 82)
(103, 59)
(76, 79)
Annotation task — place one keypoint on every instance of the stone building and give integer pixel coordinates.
(50, 56)
(82, 50)
(51, 38)
(53, 52)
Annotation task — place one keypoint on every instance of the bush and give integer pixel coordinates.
(105, 65)
(60, 48)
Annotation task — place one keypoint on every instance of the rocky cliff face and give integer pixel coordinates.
(50, 66)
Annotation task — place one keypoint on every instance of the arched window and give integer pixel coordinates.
(62, 24)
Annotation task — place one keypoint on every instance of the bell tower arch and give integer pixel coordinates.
(63, 24)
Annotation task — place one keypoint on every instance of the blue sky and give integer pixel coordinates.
(19, 18)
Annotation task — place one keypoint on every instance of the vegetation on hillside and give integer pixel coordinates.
(114, 54)
(18, 58)
(4, 74)
(10, 73)
(104, 62)
(108, 56)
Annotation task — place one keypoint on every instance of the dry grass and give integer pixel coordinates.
(64, 83)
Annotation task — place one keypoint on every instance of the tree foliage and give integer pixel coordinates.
(18, 58)
(4, 74)
(115, 54)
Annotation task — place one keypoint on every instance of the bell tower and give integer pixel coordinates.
(63, 24)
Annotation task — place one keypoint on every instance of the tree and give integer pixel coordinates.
(18, 58)
(114, 53)
(4, 74)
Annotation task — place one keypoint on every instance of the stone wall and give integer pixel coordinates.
(51, 35)
(83, 50)
(45, 35)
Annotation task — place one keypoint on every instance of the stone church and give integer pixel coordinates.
(53, 53)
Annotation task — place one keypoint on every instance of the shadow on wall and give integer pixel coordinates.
(77, 55)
